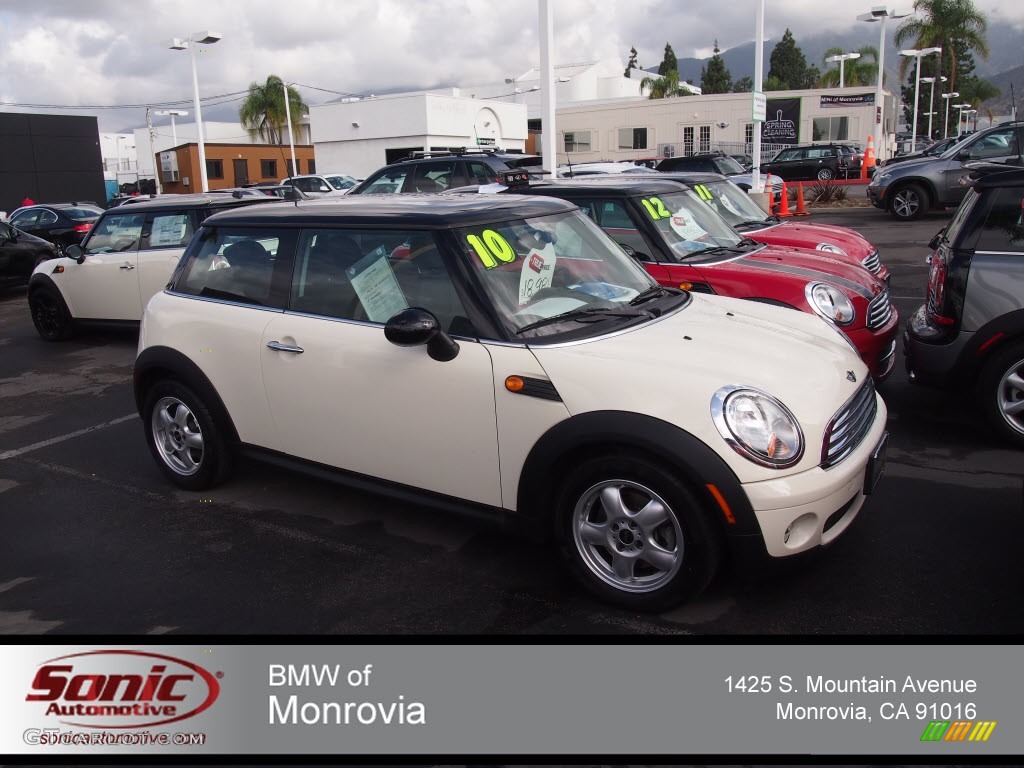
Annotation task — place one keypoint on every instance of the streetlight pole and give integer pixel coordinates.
(173, 113)
(291, 137)
(841, 58)
(881, 13)
(960, 117)
(945, 124)
(177, 44)
(931, 103)
(918, 54)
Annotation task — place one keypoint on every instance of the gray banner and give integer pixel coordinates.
(609, 699)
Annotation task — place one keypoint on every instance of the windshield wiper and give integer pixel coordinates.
(652, 293)
(591, 314)
(752, 222)
(716, 249)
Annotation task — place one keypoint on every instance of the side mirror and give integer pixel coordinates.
(963, 154)
(75, 252)
(415, 326)
(324, 188)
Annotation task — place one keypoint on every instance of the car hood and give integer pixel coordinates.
(810, 235)
(26, 239)
(670, 368)
(910, 166)
(804, 265)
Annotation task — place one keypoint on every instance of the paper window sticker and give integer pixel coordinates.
(537, 272)
(684, 225)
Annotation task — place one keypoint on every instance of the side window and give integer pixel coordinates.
(613, 217)
(997, 144)
(238, 265)
(25, 220)
(1004, 227)
(47, 217)
(480, 173)
(118, 232)
(170, 229)
(387, 182)
(433, 176)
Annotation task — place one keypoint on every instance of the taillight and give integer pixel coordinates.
(936, 300)
(81, 228)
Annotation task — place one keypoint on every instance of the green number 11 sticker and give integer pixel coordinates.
(491, 248)
(656, 208)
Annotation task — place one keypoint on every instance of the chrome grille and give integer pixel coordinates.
(879, 311)
(848, 426)
(872, 263)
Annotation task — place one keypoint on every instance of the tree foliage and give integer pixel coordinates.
(668, 62)
(631, 65)
(263, 112)
(744, 85)
(663, 87)
(947, 24)
(715, 77)
(788, 63)
(862, 71)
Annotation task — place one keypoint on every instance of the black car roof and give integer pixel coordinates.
(411, 210)
(694, 177)
(620, 185)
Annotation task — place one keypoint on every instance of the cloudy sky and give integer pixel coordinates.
(112, 52)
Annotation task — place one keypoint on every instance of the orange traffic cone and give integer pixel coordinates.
(784, 203)
(801, 209)
(869, 158)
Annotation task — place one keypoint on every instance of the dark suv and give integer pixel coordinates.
(438, 171)
(809, 162)
(970, 331)
(908, 189)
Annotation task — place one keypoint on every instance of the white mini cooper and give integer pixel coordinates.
(503, 355)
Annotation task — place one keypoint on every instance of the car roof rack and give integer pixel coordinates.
(453, 152)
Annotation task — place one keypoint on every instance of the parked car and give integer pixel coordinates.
(20, 253)
(323, 185)
(512, 361)
(719, 162)
(749, 220)
(932, 150)
(909, 189)
(62, 224)
(809, 162)
(597, 168)
(854, 158)
(969, 333)
(683, 242)
(438, 171)
(127, 256)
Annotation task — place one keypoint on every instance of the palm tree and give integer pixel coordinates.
(664, 87)
(855, 71)
(940, 23)
(263, 111)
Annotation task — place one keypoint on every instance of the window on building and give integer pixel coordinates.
(748, 137)
(311, 166)
(688, 140)
(290, 169)
(215, 169)
(705, 138)
(632, 138)
(577, 141)
(268, 169)
(831, 128)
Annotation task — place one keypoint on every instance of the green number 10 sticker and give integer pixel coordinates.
(656, 208)
(491, 248)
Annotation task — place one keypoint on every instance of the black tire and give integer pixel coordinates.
(186, 442)
(909, 202)
(593, 540)
(825, 174)
(50, 314)
(1000, 388)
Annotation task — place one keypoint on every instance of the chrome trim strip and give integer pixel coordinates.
(223, 301)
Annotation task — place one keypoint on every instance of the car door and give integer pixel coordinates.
(28, 221)
(17, 254)
(105, 286)
(1002, 145)
(342, 395)
(164, 237)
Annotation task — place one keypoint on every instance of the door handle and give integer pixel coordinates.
(127, 266)
(285, 347)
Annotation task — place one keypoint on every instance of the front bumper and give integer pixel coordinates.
(812, 509)
(931, 354)
(876, 194)
(878, 348)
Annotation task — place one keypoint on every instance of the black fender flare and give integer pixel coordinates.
(973, 357)
(156, 363)
(605, 431)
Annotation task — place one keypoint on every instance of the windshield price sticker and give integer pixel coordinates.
(945, 705)
(537, 271)
(491, 248)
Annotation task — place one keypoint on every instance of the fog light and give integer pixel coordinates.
(800, 531)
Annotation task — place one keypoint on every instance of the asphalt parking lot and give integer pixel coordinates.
(95, 541)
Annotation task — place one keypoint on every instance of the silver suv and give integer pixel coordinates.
(909, 189)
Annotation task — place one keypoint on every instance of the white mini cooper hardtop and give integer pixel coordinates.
(503, 355)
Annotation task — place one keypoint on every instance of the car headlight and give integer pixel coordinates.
(830, 302)
(878, 178)
(830, 248)
(757, 426)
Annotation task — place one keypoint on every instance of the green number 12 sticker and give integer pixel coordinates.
(656, 208)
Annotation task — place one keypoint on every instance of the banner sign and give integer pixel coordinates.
(783, 123)
(520, 699)
(856, 100)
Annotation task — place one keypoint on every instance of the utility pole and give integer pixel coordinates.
(152, 153)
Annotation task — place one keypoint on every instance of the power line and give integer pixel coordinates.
(180, 102)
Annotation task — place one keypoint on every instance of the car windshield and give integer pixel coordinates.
(341, 182)
(687, 225)
(83, 212)
(727, 165)
(555, 274)
(731, 203)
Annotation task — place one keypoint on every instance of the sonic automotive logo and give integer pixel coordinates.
(122, 689)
